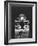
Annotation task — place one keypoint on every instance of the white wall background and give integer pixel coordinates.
(2, 25)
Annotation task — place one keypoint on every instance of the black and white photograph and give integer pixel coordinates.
(20, 22)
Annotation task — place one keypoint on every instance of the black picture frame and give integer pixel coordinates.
(6, 22)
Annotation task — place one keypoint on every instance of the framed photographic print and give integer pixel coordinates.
(20, 22)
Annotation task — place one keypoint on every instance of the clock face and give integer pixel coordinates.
(21, 26)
